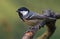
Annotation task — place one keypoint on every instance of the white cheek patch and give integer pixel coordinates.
(24, 12)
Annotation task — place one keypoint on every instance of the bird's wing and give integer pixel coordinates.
(38, 16)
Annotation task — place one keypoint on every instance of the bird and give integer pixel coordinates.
(31, 18)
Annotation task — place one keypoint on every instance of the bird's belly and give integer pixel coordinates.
(32, 22)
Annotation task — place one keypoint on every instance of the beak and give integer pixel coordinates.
(17, 11)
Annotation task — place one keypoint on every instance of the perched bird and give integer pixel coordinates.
(38, 20)
(31, 18)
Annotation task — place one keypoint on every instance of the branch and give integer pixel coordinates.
(30, 33)
(49, 31)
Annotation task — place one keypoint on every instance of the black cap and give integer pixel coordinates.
(22, 9)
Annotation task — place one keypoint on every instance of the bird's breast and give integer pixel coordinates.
(32, 22)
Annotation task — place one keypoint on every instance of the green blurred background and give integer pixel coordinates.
(11, 26)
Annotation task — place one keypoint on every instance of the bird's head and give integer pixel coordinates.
(23, 11)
